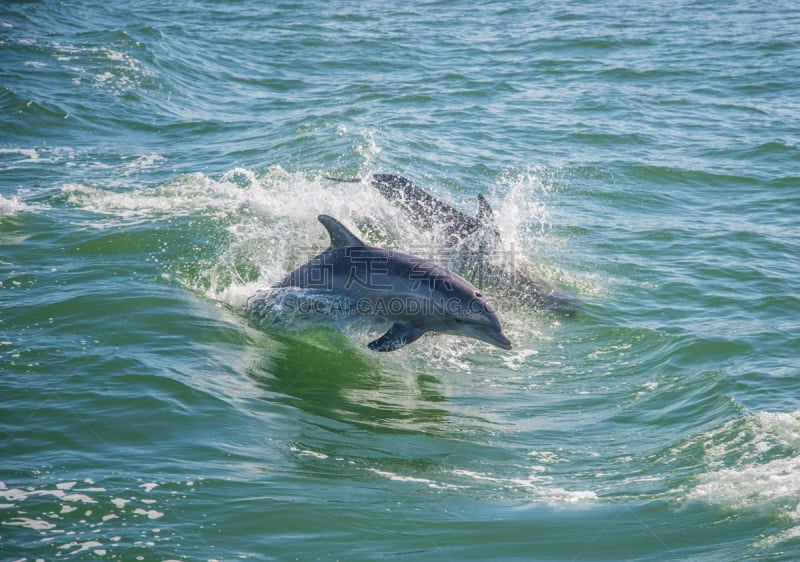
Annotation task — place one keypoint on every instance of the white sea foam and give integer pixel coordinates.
(309, 453)
(119, 503)
(83, 547)
(150, 513)
(537, 487)
(413, 479)
(266, 209)
(271, 230)
(83, 498)
(751, 486)
(754, 464)
(23, 157)
(30, 155)
(516, 359)
(142, 163)
(82, 526)
(13, 494)
(35, 524)
(12, 205)
(523, 206)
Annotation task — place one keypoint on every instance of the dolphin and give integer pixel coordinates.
(474, 244)
(411, 294)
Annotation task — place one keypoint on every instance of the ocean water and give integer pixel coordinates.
(162, 161)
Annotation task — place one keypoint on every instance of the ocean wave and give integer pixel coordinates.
(753, 464)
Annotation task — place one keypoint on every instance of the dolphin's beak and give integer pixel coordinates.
(498, 338)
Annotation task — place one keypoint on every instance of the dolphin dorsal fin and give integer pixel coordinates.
(339, 234)
(485, 213)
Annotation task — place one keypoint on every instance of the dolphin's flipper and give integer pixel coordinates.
(339, 234)
(396, 337)
(485, 213)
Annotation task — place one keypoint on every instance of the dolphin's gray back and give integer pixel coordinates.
(350, 267)
(424, 210)
(367, 272)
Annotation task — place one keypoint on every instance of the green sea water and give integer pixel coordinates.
(160, 162)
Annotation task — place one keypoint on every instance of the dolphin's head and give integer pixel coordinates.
(473, 316)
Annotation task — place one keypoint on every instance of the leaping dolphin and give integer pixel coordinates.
(413, 295)
(472, 242)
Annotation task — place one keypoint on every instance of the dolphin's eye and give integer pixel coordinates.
(478, 294)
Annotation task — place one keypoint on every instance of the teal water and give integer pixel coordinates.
(160, 162)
